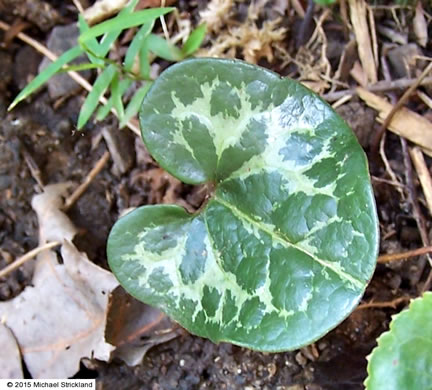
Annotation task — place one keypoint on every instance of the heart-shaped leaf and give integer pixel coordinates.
(285, 245)
(403, 358)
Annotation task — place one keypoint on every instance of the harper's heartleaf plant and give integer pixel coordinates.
(403, 358)
(283, 248)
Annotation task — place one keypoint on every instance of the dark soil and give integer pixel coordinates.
(38, 145)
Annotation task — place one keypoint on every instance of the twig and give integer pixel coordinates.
(380, 86)
(28, 256)
(74, 75)
(396, 107)
(404, 255)
(418, 216)
(301, 38)
(423, 174)
(391, 304)
(88, 179)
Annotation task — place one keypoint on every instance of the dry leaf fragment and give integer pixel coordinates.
(420, 25)
(54, 225)
(134, 327)
(103, 9)
(405, 123)
(361, 30)
(10, 368)
(61, 318)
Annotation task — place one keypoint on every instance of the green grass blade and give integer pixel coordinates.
(164, 49)
(136, 45)
(194, 41)
(111, 36)
(104, 110)
(80, 67)
(135, 103)
(144, 61)
(122, 22)
(91, 46)
(92, 100)
(47, 73)
(117, 97)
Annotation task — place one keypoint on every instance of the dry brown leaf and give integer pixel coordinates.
(420, 25)
(405, 123)
(134, 327)
(54, 225)
(361, 30)
(61, 317)
(10, 368)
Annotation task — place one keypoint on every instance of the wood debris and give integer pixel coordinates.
(405, 123)
(359, 20)
(252, 41)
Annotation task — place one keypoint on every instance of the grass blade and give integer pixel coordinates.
(135, 103)
(144, 61)
(91, 46)
(104, 110)
(117, 97)
(163, 48)
(92, 100)
(80, 67)
(136, 45)
(194, 41)
(111, 36)
(122, 22)
(48, 72)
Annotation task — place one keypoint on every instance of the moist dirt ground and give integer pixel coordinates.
(39, 146)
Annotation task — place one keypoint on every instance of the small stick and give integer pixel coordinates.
(387, 258)
(26, 257)
(74, 75)
(88, 179)
(423, 174)
(380, 86)
(391, 304)
(396, 107)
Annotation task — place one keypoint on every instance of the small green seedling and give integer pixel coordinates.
(403, 358)
(284, 246)
(133, 73)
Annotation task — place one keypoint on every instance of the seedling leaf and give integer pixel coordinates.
(163, 49)
(48, 72)
(284, 247)
(105, 109)
(91, 47)
(194, 41)
(403, 358)
(135, 103)
(136, 45)
(92, 100)
(117, 97)
(111, 36)
(122, 22)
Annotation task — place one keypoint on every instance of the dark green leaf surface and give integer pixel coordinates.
(403, 358)
(283, 250)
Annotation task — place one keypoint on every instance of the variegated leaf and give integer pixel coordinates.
(283, 249)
